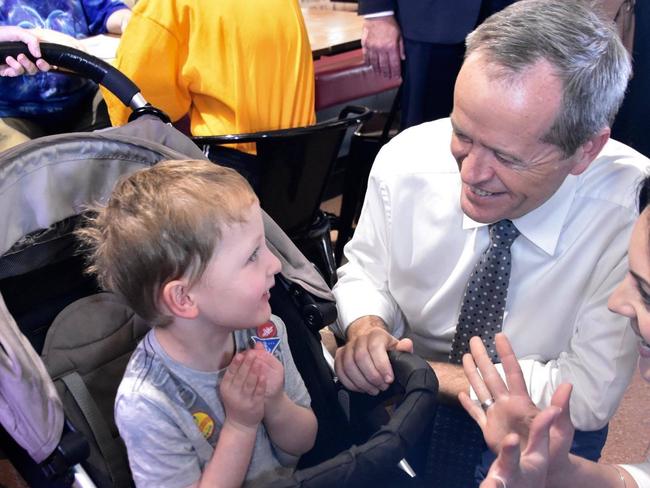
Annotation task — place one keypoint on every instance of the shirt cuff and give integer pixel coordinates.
(640, 472)
(385, 13)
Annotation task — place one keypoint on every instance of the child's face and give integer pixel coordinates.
(233, 292)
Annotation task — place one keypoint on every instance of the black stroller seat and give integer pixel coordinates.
(44, 185)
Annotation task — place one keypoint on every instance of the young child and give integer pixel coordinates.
(183, 242)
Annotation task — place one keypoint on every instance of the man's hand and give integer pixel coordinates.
(383, 47)
(362, 363)
(242, 391)
(21, 64)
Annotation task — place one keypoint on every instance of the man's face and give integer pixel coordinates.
(498, 124)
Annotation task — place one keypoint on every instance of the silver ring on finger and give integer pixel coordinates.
(485, 404)
(501, 480)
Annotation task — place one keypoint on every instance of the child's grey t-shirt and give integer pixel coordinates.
(165, 445)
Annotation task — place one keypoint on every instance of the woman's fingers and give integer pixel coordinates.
(511, 368)
(538, 437)
(489, 373)
(473, 409)
(475, 378)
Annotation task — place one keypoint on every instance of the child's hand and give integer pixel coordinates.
(242, 391)
(273, 372)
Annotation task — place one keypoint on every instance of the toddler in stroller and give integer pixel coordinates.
(43, 184)
(183, 243)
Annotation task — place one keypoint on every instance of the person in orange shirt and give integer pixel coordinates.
(232, 66)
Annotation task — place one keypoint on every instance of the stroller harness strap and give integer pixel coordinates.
(205, 419)
(118, 472)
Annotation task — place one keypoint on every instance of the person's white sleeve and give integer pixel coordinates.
(599, 363)
(385, 13)
(362, 287)
(640, 473)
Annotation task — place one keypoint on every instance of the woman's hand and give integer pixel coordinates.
(21, 64)
(509, 412)
(512, 410)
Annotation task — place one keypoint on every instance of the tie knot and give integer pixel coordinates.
(503, 233)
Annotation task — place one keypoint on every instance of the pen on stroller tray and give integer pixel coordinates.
(406, 467)
(403, 464)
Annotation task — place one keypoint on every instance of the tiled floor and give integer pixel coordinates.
(629, 430)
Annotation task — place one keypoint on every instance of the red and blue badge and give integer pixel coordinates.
(267, 335)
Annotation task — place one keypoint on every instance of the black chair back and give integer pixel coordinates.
(294, 167)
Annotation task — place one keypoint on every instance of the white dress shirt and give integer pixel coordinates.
(414, 249)
(640, 473)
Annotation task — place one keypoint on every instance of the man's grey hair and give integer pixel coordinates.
(584, 49)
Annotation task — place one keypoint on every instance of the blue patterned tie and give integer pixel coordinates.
(484, 301)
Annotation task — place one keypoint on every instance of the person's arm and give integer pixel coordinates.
(451, 380)
(383, 46)
(291, 427)
(242, 390)
(117, 21)
(21, 64)
(582, 473)
(381, 37)
(601, 356)
(284, 420)
(105, 16)
(362, 363)
(369, 317)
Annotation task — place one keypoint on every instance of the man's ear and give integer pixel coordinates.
(588, 151)
(176, 298)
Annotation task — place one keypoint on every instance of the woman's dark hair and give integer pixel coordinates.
(644, 193)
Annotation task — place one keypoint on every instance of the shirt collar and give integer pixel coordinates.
(543, 225)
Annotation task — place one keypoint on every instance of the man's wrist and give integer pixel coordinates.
(451, 380)
(363, 325)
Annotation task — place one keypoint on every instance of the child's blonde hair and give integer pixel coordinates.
(160, 224)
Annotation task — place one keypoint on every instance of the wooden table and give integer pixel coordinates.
(332, 31)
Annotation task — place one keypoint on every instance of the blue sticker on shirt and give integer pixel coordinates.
(270, 344)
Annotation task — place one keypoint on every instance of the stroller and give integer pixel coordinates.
(56, 408)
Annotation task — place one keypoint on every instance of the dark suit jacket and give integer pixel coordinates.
(435, 21)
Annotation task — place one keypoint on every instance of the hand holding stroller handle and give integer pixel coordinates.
(82, 64)
(412, 372)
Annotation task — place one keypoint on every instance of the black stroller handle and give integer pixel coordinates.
(84, 65)
(358, 465)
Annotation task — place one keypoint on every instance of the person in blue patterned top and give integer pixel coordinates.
(50, 103)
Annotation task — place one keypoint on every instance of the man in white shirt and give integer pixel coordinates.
(529, 140)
